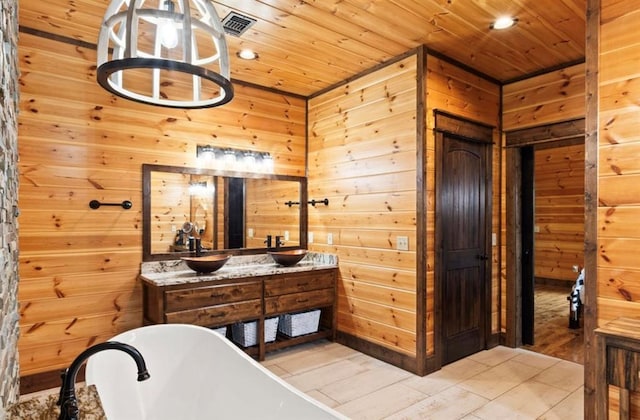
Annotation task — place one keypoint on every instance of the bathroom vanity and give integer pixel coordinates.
(247, 288)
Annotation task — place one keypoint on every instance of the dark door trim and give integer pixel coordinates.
(450, 125)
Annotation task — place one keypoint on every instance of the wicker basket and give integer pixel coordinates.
(246, 333)
(301, 323)
(220, 330)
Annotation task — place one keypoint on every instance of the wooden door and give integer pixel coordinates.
(463, 217)
(527, 241)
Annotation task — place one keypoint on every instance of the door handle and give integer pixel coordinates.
(482, 257)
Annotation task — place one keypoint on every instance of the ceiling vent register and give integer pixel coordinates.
(236, 24)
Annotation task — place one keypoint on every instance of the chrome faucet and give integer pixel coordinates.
(67, 400)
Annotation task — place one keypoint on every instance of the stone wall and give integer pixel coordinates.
(9, 373)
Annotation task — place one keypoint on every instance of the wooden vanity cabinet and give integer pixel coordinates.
(209, 304)
(618, 370)
(223, 302)
(299, 292)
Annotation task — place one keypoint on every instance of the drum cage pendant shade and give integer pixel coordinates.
(168, 53)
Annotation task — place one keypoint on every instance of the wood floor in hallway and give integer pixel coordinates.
(552, 335)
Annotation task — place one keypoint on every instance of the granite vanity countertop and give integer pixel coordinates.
(174, 272)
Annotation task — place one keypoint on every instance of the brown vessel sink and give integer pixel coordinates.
(288, 258)
(207, 264)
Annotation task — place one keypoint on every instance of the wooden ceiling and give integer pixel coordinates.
(307, 45)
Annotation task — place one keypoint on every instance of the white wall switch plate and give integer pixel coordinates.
(286, 235)
(250, 232)
(329, 238)
(310, 237)
(402, 243)
(536, 229)
(494, 239)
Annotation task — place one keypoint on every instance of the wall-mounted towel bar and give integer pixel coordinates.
(324, 201)
(95, 204)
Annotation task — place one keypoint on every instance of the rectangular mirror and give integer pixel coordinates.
(228, 211)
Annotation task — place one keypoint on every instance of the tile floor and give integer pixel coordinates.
(501, 383)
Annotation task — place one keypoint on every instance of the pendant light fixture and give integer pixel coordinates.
(170, 53)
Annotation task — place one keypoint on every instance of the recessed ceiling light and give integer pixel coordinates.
(504, 22)
(247, 54)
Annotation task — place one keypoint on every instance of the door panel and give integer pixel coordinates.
(463, 274)
(527, 239)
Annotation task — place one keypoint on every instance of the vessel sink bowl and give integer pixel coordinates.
(288, 258)
(207, 264)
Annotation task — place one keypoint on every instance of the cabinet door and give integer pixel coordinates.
(623, 368)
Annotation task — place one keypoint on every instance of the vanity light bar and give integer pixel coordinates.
(236, 159)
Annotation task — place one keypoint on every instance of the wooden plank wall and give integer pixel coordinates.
(619, 165)
(78, 267)
(559, 212)
(362, 157)
(461, 93)
(549, 98)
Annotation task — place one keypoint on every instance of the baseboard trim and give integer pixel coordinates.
(387, 355)
(494, 340)
(555, 282)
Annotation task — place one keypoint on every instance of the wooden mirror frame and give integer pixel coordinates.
(147, 169)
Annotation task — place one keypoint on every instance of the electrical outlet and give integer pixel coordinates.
(310, 237)
(575, 268)
(173, 228)
(402, 243)
(536, 229)
(286, 235)
(494, 239)
(329, 238)
(250, 232)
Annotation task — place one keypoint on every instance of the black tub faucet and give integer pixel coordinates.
(67, 400)
(279, 242)
(268, 241)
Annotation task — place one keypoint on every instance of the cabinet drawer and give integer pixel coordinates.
(299, 282)
(182, 299)
(217, 315)
(298, 301)
(623, 368)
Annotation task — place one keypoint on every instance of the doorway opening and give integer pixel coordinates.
(547, 206)
(553, 235)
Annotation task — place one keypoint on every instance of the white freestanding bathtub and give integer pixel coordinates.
(195, 374)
